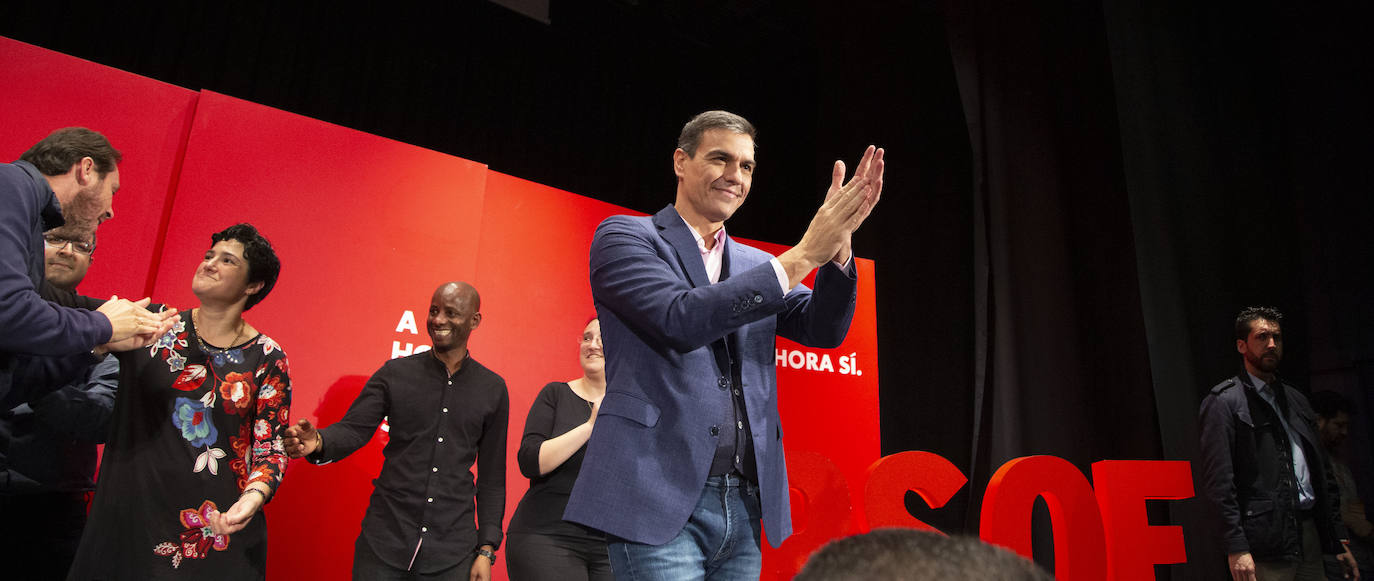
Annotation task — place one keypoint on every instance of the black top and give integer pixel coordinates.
(555, 412)
(191, 429)
(439, 425)
(49, 443)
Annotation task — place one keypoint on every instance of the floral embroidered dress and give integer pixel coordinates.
(192, 427)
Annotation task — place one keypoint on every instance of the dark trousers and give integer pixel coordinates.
(367, 566)
(39, 533)
(1308, 568)
(536, 557)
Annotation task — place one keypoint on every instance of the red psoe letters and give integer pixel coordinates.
(1080, 552)
(931, 476)
(1122, 487)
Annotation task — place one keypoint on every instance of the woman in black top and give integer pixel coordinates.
(541, 544)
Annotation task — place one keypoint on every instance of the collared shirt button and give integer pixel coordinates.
(434, 469)
(737, 391)
(441, 439)
(424, 529)
(737, 460)
(450, 382)
(758, 298)
(715, 431)
(739, 424)
(430, 499)
(445, 410)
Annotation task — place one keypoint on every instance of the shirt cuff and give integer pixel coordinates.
(781, 274)
(844, 266)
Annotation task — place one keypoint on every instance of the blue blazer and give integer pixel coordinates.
(648, 457)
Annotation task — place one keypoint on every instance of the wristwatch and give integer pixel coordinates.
(488, 553)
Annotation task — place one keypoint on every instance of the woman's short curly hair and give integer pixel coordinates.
(263, 264)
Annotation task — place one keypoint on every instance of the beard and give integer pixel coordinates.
(1266, 364)
(85, 210)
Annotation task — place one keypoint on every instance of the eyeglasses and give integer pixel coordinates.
(58, 243)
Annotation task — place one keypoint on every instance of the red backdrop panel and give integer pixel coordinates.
(146, 120)
(822, 390)
(532, 273)
(828, 399)
(366, 228)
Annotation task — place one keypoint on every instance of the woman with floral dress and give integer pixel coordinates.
(195, 446)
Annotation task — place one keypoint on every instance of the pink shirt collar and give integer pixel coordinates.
(712, 259)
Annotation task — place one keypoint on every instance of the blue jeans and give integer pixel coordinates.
(719, 541)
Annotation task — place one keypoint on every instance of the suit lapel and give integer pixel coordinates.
(735, 260)
(674, 231)
(1296, 419)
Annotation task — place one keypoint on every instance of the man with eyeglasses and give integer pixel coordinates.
(67, 255)
(69, 176)
(48, 445)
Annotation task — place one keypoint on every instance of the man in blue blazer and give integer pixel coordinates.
(686, 458)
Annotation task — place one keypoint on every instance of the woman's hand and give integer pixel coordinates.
(239, 515)
(596, 409)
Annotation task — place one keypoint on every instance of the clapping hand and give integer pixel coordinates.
(133, 325)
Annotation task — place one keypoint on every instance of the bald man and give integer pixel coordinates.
(445, 411)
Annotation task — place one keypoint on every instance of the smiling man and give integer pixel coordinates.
(445, 411)
(48, 445)
(686, 461)
(1265, 471)
(67, 254)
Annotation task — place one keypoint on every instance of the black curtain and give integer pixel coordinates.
(1062, 345)
(1143, 171)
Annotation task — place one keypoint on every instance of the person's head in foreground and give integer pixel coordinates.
(914, 555)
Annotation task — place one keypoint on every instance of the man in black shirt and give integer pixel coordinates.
(48, 445)
(445, 410)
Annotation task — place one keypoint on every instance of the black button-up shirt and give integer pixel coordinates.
(420, 517)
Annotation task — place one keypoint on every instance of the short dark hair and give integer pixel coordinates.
(691, 134)
(74, 231)
(62, 149)
(915, 555)
(1328, 403)
(1249, 314)
(263, 264)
